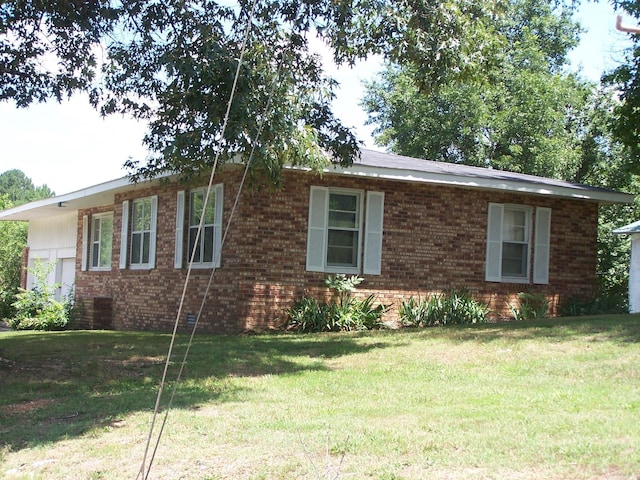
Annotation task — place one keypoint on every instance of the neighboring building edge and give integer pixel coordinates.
(633, 230)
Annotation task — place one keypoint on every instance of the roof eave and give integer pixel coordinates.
(573, 192)
(96, 195)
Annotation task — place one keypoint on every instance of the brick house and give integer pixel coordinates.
(407, 226)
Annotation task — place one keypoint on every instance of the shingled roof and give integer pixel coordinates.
(402, 168)
(372, 164)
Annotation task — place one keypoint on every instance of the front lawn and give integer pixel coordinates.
(552, 399)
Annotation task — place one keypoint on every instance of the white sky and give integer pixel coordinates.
(69, 146)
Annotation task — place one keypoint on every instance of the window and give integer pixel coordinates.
(205, 247)
(509, 244)
(202, 246)
(101, 241)
(141, 232)
(335, 240)
(515, 242)
(343, 231)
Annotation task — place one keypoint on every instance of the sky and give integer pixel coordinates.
(68, 146)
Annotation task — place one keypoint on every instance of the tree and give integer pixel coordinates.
(626, 79)
(15, 188)
(13, 238)
(172, 63)
(525, 114)
(19, 188)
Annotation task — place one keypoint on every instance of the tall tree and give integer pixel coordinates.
(13, 238)
(172, 63)
(524, 114)
(15, 189)
(20, 189)
(626, 79)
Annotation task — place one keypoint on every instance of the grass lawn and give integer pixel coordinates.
(554, 399)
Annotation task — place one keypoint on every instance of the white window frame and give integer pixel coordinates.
(538, 241)
(369, 231)
(524, 278)
(148, 230)
(217, 192)
(337, 268)
(93, 244)
(128, 233)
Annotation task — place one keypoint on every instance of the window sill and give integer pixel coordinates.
(520, 280)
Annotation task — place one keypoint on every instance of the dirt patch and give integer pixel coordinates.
(27, 407)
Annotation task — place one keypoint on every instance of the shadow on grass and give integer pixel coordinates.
(622, 329)
(64, 384)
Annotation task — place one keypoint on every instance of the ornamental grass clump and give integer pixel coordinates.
(343, 312)
(454, 308)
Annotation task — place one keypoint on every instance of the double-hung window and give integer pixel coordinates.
(142, 228)
(510, 244)
(515, 242)
(203, 247)
(344, 229)
(101, 241)
(339, 239)
(138, 238)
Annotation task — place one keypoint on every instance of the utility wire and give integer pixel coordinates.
(144, 471)
(213, 271)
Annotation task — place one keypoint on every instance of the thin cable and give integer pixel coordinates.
(224, 237)
(184, 290)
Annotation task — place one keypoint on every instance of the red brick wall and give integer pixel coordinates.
(434, 240)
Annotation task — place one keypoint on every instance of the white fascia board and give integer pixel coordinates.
(601, 196)
(96, 195)
(631, 229)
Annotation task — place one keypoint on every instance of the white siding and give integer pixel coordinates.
(54, 239)
(54, 232)
(634, 275)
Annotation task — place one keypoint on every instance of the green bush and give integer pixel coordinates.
(454, 308)
(578, 306)
(530, 306)
(37, 309)
(308, 315)
(342, 313)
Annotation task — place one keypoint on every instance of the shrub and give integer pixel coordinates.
(530, 306)
(454, 308)
(342, 313)
(37, 309)
(308, 315)
(577, 306)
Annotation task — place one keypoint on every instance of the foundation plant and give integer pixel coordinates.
(454, 308)
(343, 312)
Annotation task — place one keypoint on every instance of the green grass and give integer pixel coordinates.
(555, 399)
